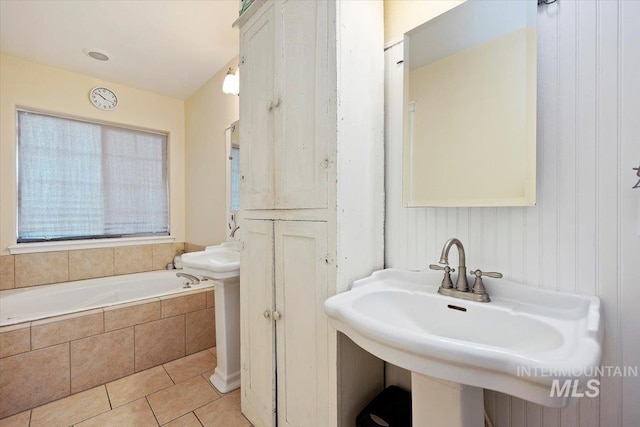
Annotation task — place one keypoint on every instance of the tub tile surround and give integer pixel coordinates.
(45, 360)
(91, 263)
(174, 305)
(69, 327)
(210, 299)
(199, 335)
(25, 270)
(192, 247)
(102, 358)
(131, 314)
(15, 339)
(41, 268)
(163, 253)
(33, 378)
(7, 272)
(133, 259)
(159, 342)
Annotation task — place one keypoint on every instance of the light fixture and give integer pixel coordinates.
(231, 83)
(99, 54)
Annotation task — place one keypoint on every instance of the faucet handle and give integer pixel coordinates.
(479, 273)
(446, 281)
(478, 286)
(446, 268)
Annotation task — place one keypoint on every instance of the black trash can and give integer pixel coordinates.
(391, 408)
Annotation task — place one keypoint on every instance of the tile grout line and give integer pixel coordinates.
(197, 418)
(219, 396)
(169, 375)
(211, 385)
(70, 388)
(100, 413)
(134, 347)
(146, 398)
(200, 407)
(106, 390)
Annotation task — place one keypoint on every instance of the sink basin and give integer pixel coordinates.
(215, 262)
(516, 344)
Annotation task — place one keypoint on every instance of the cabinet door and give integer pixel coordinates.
(256, 111)
(256, 325)
(301, 325)
(302, 114)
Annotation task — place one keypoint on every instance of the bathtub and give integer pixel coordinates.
(61, 339)
(39, 302)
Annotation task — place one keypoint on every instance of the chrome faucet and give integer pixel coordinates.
(191, 279)
(461, 284)
(461, 288)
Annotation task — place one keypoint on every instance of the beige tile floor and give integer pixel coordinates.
(176, 394)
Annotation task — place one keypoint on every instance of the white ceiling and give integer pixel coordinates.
(169, 47)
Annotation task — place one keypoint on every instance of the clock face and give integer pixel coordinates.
(103, 98)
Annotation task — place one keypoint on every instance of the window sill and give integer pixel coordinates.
(70, 245)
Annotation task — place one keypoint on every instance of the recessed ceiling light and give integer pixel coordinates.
(98, 54)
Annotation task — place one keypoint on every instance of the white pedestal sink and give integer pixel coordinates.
(510, 344)
(443, 403)
(222, 265)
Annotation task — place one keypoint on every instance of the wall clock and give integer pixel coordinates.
(103, 98)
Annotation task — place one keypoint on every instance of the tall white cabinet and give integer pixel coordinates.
(285, 72)
(311, 107)
(285, 331)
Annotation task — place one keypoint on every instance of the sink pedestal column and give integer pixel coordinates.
(440, 403)
(226, 377)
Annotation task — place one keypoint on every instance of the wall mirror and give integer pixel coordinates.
(470, 107)
(232, 136)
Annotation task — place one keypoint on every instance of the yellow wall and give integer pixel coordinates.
(208, 113)
(402, 15)
(30, 85)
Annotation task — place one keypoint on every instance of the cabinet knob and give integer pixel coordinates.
(266, 314)
(277, 315)
(273, 104)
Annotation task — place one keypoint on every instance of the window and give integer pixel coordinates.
(81, 180)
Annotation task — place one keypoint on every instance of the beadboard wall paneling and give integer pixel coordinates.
(583, 235)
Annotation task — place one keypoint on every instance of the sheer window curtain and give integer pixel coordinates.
(87, 180)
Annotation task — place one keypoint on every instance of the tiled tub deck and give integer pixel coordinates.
(48, 359)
